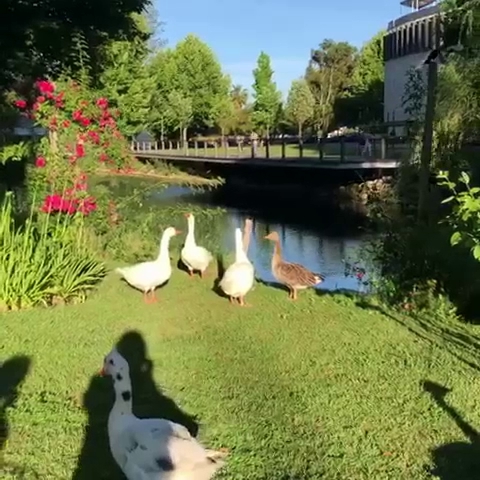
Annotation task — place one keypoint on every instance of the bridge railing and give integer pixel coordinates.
(335, 150)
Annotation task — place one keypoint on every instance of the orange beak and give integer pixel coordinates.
(178, 232)
(187, 215)
(102, 372)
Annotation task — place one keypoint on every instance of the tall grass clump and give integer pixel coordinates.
(45, 260)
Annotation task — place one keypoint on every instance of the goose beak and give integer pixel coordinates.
(178, 232)
(102, 372)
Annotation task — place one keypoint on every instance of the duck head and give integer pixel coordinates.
(113, 364)
(273, 236)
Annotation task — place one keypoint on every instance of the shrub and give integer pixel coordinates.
(82, 137)
(420, 272)
(44, 261)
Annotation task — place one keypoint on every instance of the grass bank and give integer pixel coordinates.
(165, 173)
(321, 388)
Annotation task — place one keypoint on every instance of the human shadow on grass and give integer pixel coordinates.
(95, 459)
(457, 460)
(12, 374)
(465, 347)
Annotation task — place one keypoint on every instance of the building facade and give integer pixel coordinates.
(406, 43)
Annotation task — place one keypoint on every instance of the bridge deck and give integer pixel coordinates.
(299, 163)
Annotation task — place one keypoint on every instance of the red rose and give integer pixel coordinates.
(80, 150)
(40, 99)
(44, 86)
(20, 103)
(40, 162)
(77, 115)
(102, 103)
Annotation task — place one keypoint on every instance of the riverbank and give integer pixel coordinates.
(163, 172)
(320, 388)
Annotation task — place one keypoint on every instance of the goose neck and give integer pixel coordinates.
(190, 240)
(164, 246)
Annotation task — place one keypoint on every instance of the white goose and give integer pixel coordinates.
(147, 276)
(238, 279)
(152, 448)
(193, 256)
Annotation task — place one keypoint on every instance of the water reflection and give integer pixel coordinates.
(321, 252)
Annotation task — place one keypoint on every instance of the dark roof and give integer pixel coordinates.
(417, 3)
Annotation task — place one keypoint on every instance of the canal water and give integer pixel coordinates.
(326, 245)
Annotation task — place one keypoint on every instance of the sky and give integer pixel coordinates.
(287, 30)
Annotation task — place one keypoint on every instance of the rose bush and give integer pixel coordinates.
(81, 137)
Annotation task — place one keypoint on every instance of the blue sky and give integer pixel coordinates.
(285, 29)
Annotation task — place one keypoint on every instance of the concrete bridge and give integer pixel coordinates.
(344, 162)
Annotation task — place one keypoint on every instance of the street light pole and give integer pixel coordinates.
(427, 141)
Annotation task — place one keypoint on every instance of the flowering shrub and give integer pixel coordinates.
(82, 137)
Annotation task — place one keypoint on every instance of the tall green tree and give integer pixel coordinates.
(179, 112)
(329, 75)
(37, 38)
(224, 115)
(362, 103)
(199, 75)
(266, 95)
(162, 69)
(126, 79)
(300, 105)
(242, 110)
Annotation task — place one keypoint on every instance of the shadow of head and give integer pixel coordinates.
(148, 400)
(436, 390)
(12, 374)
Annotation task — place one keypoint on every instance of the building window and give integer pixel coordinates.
(422, 36)
(429, 33)
(416, 39)
(411, 45)
(391, 46)
(401, 42)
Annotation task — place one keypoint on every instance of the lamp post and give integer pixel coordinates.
(433, 59)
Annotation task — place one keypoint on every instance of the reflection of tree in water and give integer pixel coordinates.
(457, 460)
(95, 460)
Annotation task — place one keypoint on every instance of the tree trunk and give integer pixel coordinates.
(300, 132)
(183, 133)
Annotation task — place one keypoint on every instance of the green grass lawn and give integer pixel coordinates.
(320, 388)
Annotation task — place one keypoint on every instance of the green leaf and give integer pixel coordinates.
(449, 199)
(464, 177)
(456, 238)
(476, 252)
